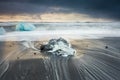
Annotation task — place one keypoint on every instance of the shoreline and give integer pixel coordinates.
(31, 66)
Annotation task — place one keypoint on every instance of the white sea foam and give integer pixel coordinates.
(72, 34)
(65, 30)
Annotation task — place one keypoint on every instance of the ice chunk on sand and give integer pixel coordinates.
(58, 47)
(2, 31)
(25, 27)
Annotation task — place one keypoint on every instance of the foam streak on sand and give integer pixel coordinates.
(4, 61)
(95, 64)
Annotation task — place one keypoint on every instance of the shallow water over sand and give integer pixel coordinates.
(96, 59)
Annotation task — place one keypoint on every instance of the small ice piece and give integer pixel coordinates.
(2, 31)
(58, 47)
(25, 27)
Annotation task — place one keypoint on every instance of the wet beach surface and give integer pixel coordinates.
(96, 59)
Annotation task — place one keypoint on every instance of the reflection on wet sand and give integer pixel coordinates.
(93, 61)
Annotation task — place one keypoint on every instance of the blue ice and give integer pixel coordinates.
(25, 27)
(2, 31)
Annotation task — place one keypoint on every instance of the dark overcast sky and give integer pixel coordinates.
(94, 8)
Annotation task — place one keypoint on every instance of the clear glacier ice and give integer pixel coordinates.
(25, 27)
(59, 47)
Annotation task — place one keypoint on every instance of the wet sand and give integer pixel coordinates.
(96, 59)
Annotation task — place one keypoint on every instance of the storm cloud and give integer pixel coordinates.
(94, 8)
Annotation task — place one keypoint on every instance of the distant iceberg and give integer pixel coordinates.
(25, 27)
(2, 31)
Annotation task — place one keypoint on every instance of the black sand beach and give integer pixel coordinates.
(96, 59)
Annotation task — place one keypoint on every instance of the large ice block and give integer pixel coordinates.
(59, 47)
(25, 27)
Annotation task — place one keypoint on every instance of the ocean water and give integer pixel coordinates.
(66, 30)
(69, 25)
